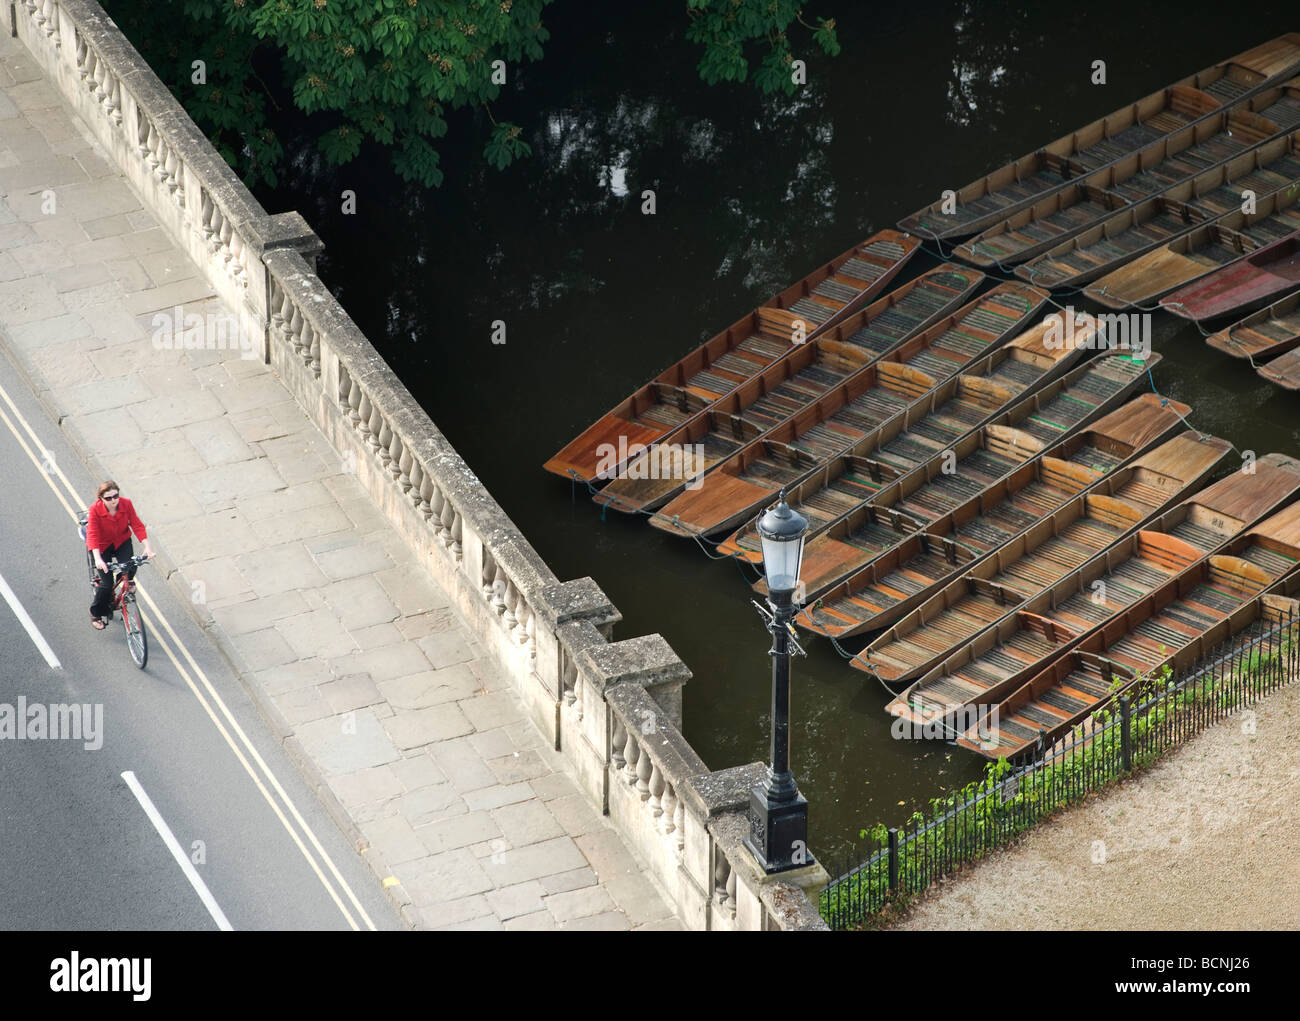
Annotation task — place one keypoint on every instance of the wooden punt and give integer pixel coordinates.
(908, 574)
(1150, 223)
(1107, 140)
(961, 406)
(1051, 573)
(1180, 623)
(843, 484)
(1154, 172)
(1244, 286)
(1013, 503)
(1079, 683)
(1263, 334)
(1197, 254)
(839, 428)
(737, 354)
(1284, 371)
(868, 398)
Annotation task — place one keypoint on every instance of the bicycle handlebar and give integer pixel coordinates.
(117, 565)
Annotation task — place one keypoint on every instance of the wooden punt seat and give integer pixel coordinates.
(1283, 371)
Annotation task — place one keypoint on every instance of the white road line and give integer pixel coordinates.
(173, 845)
(25, 619)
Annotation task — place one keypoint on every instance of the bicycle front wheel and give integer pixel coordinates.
(137, 640)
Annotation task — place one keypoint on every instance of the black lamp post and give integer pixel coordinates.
(778, 813)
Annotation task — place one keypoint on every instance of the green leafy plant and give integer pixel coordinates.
(388, 72)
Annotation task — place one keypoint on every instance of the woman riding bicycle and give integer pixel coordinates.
(110, 521)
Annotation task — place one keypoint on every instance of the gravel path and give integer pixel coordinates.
(1206, 839)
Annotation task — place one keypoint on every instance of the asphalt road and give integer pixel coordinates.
(77, 848)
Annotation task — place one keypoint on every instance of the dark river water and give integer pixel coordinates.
(752, 193)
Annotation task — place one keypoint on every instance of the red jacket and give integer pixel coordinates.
(108, 531)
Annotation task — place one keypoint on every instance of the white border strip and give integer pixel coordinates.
(25, 619)
(173, 845)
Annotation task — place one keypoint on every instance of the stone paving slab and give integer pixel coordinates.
(356, 657)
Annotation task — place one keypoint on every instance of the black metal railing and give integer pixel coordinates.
(1129, 730)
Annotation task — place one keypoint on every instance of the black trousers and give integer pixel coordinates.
(102, 606)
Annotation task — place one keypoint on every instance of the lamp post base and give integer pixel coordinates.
(778, 833)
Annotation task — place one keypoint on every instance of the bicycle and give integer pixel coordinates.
(137, 638)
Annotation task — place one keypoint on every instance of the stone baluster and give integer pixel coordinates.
(374, 428)
(568, 679)
(227, 232)
(498, 589)
(631, 750)
(345, 383)
(354, 405)
(427, 489)
(487, 575)
(442, 506)
(618, 736)
(524, 614)
(394, 455)
(48, 17)
(670, 809)
(457, 550)
(577, 688)
(363, 417)
(239, 269)
(679, 824)
(311, 348)
(172, 177)
(406, 472)
(148, 141)
(385, 439)
(101, 76)
(722, 888)
(731, 890)
(656, 790)
(508, 617)
(644, 769)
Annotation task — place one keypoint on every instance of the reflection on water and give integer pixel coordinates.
(751, 193)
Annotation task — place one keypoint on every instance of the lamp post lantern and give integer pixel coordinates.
(778, 813)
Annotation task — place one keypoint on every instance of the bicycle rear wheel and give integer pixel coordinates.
(137, 640)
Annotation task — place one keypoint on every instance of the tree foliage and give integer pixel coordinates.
(388, 71)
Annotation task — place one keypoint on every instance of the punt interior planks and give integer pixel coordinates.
(1144, 176)
(1012, 504)
(1194, 614)
(908, 574)
(1263, 334)
(831, 432)
(844, 484)
(1107, 140)
(1141, 228)
(870, 396)
(1284, 371)
(737, 354)
(1197, 254)
(1245, 286)
(1043, 574)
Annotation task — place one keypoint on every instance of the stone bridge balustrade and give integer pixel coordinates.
(614, 709)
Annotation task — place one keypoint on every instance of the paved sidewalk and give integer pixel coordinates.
(448, 788)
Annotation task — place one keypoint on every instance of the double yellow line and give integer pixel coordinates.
(213, 704)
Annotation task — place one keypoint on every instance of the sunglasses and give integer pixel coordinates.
(113, 497)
